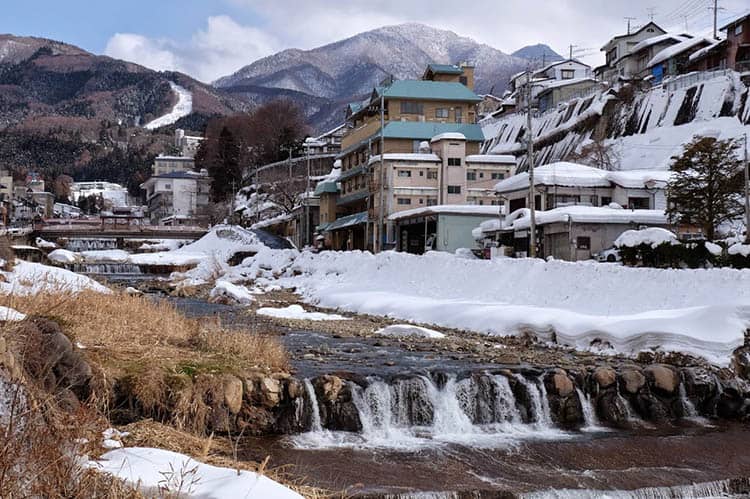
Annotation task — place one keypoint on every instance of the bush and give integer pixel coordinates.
(692, 255)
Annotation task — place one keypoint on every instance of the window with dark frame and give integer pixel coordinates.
(454, 189)
(583, 243)
(454, 161)
(411, 107)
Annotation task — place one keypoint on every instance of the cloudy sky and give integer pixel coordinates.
(212, 38)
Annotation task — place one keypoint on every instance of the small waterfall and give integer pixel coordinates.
(312, 399)
(91, 244)
(412, 413)
(630, 413)
(105, 268)
(505, 402)
(589, 414)
(688, 409)
(449, 416)
(722, 488)
(539, 408)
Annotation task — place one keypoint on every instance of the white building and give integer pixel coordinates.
(187, 144)
(619, 63)
(564, 184)
(113, 194)
(178, 198)
(168, 164)
(557, 75)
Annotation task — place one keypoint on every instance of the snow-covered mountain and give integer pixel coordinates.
(348, 69)
(538, 53)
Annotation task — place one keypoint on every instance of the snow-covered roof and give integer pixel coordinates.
(520, 219)
(405, 157)
(648, 42)
(454, 209)
(639, 179)
(448, 136)
(561, 173)
(557, 63)
(549, 85)
(677, 49)
(491, 158)
(705, 50)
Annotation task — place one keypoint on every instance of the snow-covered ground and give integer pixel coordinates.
(182, 108)
(28, 278)
(409, 330)
(585, 305)
(8, 314)
(155, 471)
(299, 313)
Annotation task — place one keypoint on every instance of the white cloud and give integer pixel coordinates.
(225, 45)
(220, 49)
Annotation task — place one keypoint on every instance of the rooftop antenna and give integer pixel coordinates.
(628, 19)
(651, 13)
(571, 47)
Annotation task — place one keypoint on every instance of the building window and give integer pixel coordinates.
(463, 80)
(404, 173)
(567, 74)
(411, 107)
(459, 115)
(432, 174)
(738, 30)
(431, 202)
(403, 201)
(498, 176)
(421, 201)
(481, 203)
(454, 161)
(606, 200)
(168, 187)
(454, 189)
(481, 174)
(421, 173)
(441, 113)
(638, 203)
(471, 175)
(583, 243)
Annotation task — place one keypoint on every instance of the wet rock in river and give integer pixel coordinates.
(662, 378)
(604, 377)
(613, 409)
(632, 380)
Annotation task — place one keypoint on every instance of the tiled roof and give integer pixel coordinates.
(429, 90)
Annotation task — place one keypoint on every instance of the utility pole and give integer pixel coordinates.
(747, 194)
(570, 53)
(716, 10)
(382, 171)
(530, 156)
(307, 200)
(628, 19)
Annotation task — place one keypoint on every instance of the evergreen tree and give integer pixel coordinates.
(224, 167)
(706, 187)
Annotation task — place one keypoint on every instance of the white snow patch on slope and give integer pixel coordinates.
(409, 330)
(8, 314)
(234, 292)
(153, 470)
(699, 312)
(183, 107)
(28, 278)
(298, 313)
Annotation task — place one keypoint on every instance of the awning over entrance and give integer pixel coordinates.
(347, 221)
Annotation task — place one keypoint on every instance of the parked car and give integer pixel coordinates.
(610, 255)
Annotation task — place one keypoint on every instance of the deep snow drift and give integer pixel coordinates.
(182, 108)
(28, 278)
(585, 305)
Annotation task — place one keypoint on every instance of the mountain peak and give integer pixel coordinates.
(538, 53)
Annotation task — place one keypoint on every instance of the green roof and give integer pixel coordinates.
(425, 130)
(429, 90)
(347, 221)
(326, 187)
(446, 69)
(351, 198)
(351, 173)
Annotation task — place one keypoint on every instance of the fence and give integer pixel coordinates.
(690, 79)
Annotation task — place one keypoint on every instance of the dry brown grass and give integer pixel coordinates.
(128, 334)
